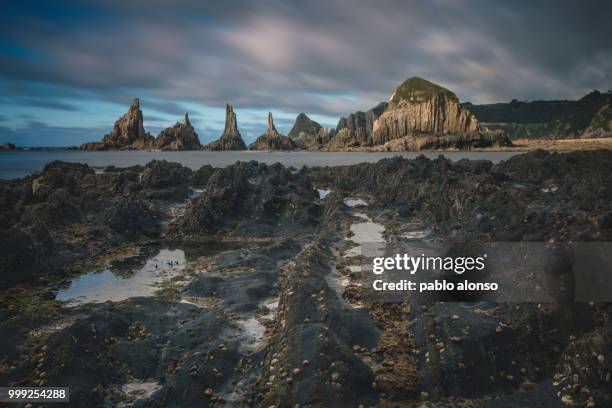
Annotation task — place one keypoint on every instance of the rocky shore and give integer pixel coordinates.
(263, 307)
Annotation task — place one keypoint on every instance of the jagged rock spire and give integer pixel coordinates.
(230, 139)
(135, 104)
(271, 128)
(231, 125)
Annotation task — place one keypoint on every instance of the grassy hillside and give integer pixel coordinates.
(418, 90)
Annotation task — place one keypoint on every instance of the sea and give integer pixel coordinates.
(21, 163)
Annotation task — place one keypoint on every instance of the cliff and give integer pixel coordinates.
(418, 106)
(231, 138)
(362, 120)
(355, 130)
(588, 117)
(272, 140)
(128, 133)
(181, 136)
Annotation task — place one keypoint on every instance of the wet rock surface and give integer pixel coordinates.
(266, 310)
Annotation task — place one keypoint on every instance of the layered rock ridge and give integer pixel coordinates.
(355, 130)
(128, 133)
(418, 107)
(272, 140)
(181, 136)
(231, 138)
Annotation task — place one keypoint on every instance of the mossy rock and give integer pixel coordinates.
(417, 90)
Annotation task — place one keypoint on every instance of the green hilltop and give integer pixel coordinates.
(417, 90)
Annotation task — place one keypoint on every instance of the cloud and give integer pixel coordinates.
(49, 104)
(36, 133)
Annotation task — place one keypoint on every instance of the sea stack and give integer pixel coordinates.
(128, 133)
(419, 107)
(303, 128)
(231, 138)
(181, 136)
(272, 140)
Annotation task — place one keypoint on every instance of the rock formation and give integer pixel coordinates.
(303, 128)
(181, 136)
(230, 139)
(363, 120)
(420, 107)
(272, 140)
(355, 130)
(318, 141)
(128, 133)
(346, 138)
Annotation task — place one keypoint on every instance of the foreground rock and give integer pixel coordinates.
(230, 139)
(128, 133)
(68, 217)
(258, 320)
(502, 202)
(182, 136)
(252, 199)
(272, 140)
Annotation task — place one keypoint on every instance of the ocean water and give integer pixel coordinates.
(22, 163)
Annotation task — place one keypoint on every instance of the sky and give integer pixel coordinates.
(69, 69)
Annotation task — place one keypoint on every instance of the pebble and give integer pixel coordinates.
(567, 400)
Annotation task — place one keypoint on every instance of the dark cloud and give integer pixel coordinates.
(49, 104)
(327, 58)
(35, 133)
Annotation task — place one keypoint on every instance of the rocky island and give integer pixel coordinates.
(304, 128)
(272, 140)
(420, 115)
(230, 138)
(182, 136)
(129, 134)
